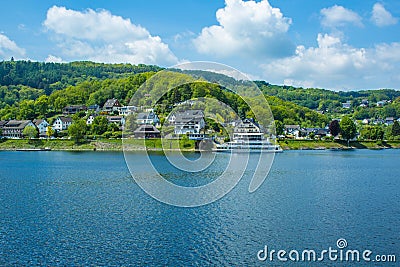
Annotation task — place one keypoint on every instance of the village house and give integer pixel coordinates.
(189, 122)
(346, 104)
(147, 118)
(381, 103)
(94, 108)
(364, 103)
(42, 126)
(68, 110)
(127, 110)
(120, 120)
(389, 120)
(90, 118)
(147, 131)
(14, 128)
(293, 130)
(2, 123)
(365, 121)
(62, 123)
(111, 105)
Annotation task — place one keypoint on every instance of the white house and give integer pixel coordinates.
(189, 122)
(292, 130)
(147, 118)
(42, 126)
(62, 123)
(90, 119)
(127, 110)
(111, 105)
(346, 104)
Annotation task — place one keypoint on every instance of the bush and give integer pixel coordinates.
(107, 134)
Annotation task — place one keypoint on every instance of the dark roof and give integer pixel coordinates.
(147, 129)
(146, 115)
(16, 124)
(65, 119)
(112, 103)
(95, 106)
(2, 123)
(189, 115)
(292, 126)
(38, 121)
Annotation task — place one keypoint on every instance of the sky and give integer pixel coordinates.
(331, 44)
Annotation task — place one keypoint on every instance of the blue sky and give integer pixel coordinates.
(338, 45)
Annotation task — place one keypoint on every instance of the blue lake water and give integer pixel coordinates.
(84, 208)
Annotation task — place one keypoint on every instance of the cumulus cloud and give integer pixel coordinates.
(338, 16)
(53, 59)
(336, 65)
(102, 36)
(381, 17)
(9, 48)
(246, 28)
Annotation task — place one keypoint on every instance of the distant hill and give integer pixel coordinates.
(53, 76)
(31, 89)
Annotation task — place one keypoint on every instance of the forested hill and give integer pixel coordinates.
(54, 76)
(40, 90)
(322, 99)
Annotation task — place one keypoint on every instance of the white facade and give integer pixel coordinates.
(127, 110)
(90, 119)
(42, 126)
(62, 123)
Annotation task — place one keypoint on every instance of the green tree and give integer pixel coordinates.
(49, 131)
(27, 109)
(279, 127)
(348, 129)
(30, 132)
(77, 130)
(396, 129)
(41, 105)
(99, 125)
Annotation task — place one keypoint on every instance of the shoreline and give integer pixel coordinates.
(155, 145)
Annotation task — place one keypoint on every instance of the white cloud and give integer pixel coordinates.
(336, 65)
(9, 48)
(246, 28)
(53, 59)
(102, 36)
(338, 16)
(381, 17)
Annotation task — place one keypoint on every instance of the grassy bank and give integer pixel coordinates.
(101, 144)
(317, 144)
(187, 145)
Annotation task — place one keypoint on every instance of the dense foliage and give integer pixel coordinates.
(31, 90)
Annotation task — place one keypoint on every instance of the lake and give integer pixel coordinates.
(84, 208)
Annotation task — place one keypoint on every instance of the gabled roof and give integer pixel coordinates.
(2, 123)
(112, 103)
(292, 126)
(17, 124)
(65, 119)
(146, 115)
(189, 116)
(38, 121)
